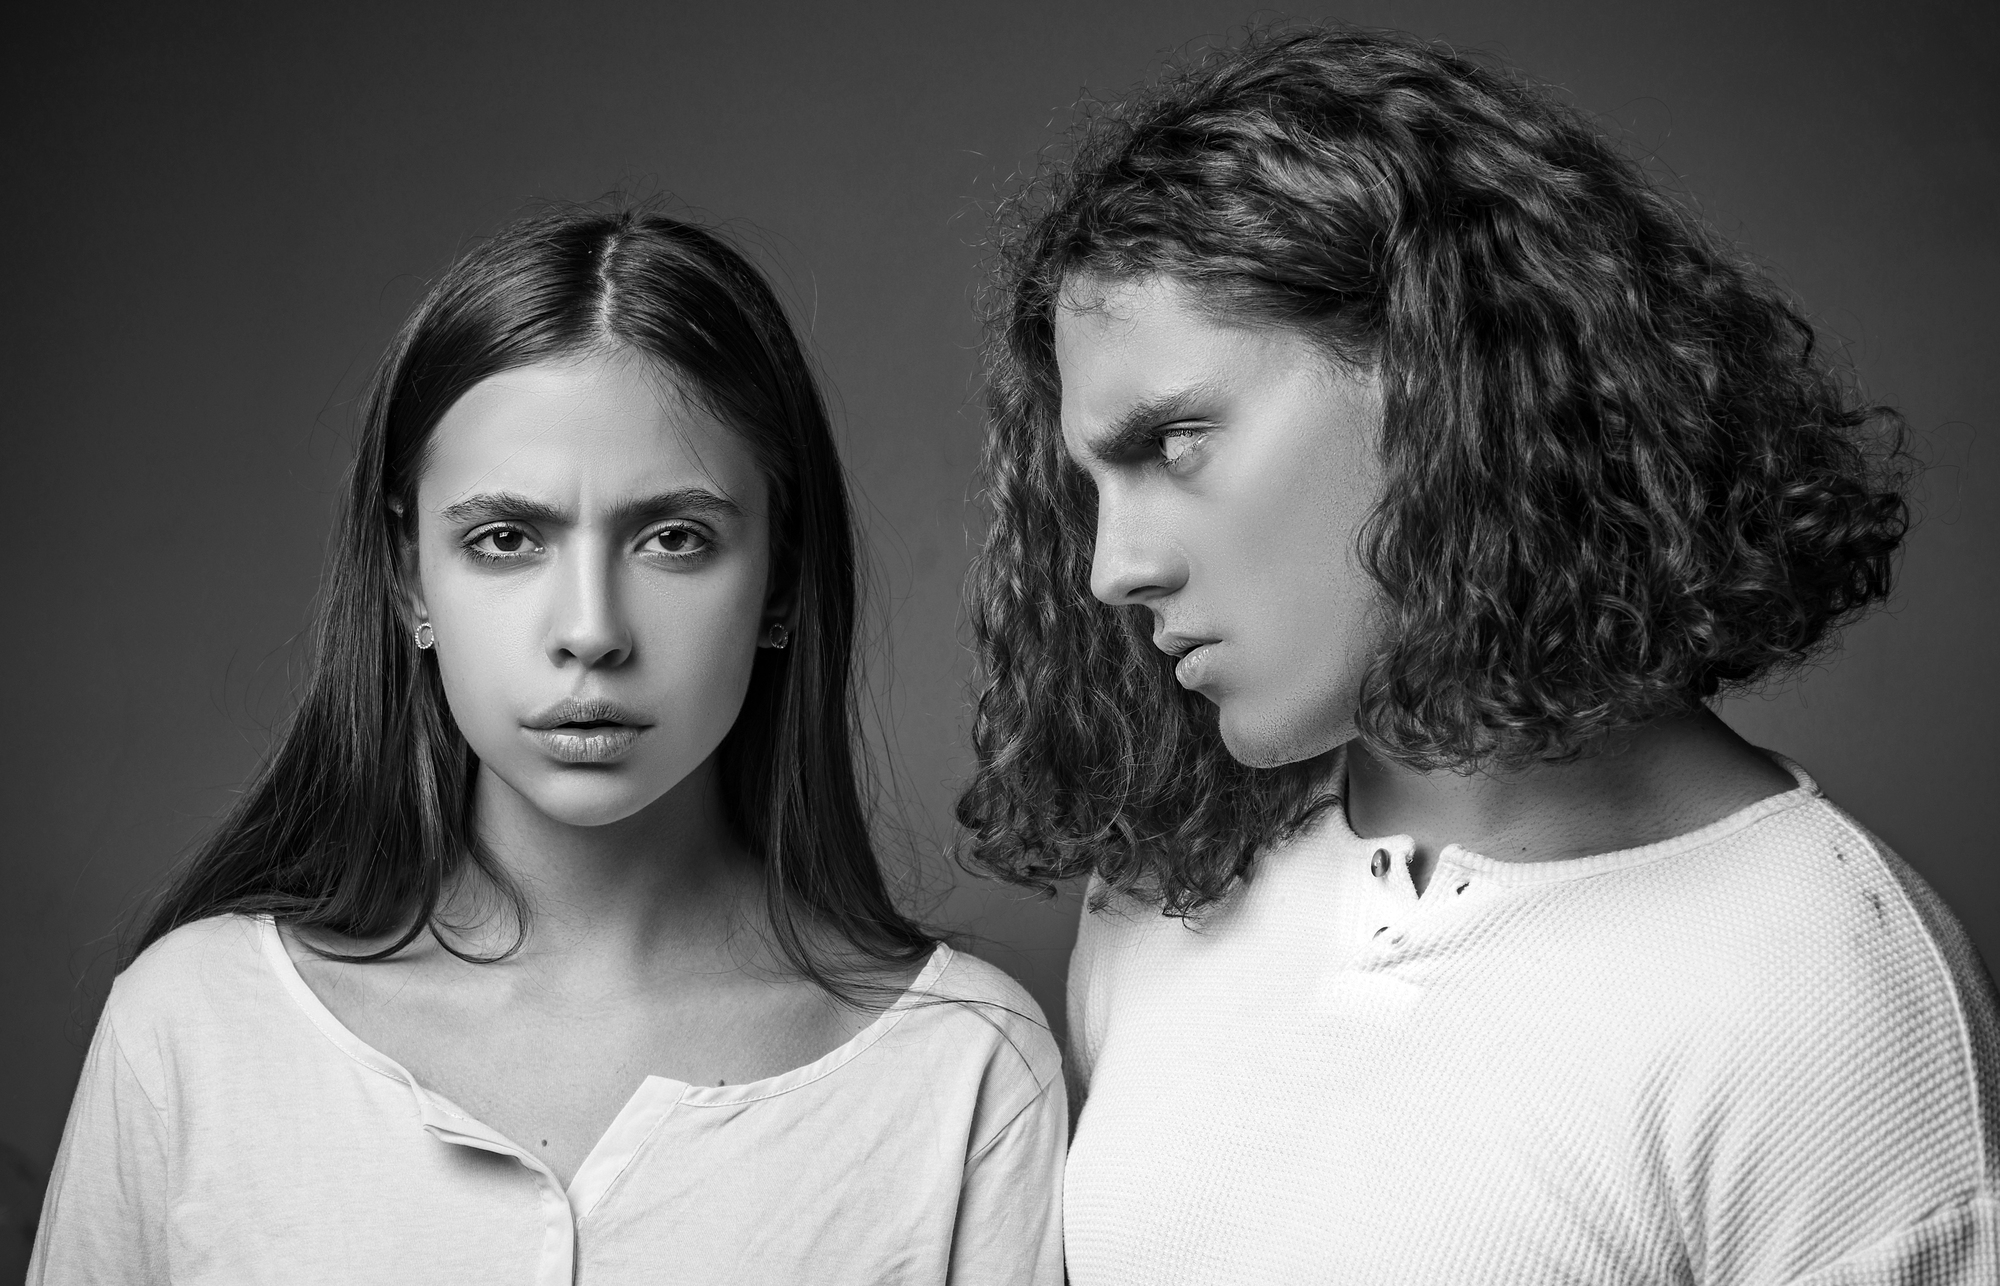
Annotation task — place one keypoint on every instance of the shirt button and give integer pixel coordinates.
(1380, 866)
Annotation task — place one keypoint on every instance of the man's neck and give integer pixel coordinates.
(1659, 781)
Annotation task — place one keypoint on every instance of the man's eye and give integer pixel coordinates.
(1177, 444)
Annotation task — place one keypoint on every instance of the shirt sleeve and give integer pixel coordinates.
(1009, 1227)
(1081, 999)
(102, 1219)
(1956, 1246)
(1847, 1132)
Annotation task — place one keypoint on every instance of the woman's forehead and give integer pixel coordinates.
(598, 429)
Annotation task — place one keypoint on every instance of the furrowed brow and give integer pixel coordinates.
(492, 505)
(690, 502)
(1132, 432)
(685, 502)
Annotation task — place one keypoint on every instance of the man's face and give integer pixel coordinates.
(1234, 468)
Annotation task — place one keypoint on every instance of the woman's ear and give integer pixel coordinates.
(782, 597)
(778, 607)
(774, 630)
(409, 575)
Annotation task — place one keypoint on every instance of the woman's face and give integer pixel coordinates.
(1234, 468)
(593, 556)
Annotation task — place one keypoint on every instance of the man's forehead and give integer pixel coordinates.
(1110, 363)
(1094, 301)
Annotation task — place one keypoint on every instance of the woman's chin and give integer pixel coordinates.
(584, 796)
(593, 812)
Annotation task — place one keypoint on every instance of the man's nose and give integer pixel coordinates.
(1134, 562)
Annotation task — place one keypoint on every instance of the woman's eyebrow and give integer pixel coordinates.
(695, 502)
(1133, 431)
(492, 506)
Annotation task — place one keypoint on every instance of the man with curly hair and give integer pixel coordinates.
(1385, 479)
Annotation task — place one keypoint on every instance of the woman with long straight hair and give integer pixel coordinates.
(549, 944)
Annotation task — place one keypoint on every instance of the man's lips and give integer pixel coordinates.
(1192, 655)
(1191, 671)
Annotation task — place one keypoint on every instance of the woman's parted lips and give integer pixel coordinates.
(586, 712)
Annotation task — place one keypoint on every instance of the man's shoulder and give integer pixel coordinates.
(1833, 1013)
(1825, 954)
(1826, 908)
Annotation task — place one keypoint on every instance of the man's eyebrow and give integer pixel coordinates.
(492, 506)
(1132, 433)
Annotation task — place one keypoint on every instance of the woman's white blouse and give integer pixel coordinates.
(228, 1128)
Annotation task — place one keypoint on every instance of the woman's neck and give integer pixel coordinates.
(1664, 779)
(669, 885)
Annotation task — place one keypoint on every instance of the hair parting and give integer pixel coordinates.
(359, 822)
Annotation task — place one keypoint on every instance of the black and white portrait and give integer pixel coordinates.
(1126, 644)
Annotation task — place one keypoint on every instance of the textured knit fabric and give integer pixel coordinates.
(229, 1129)
(1762, 1052)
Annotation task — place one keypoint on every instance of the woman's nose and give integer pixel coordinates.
(587, 623)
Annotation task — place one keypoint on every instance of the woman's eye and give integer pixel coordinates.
(678, 542)
(501, 542)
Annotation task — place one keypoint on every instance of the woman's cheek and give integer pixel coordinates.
(487, 673)
(701, 661)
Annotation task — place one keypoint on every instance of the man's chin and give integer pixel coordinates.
(1272, 739)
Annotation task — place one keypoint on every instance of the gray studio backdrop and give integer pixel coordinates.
(215, 220)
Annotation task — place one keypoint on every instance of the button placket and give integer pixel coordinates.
(1394, 892)
(559, 1231)
(1368, 985)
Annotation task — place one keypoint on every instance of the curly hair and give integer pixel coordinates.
(1621, 477)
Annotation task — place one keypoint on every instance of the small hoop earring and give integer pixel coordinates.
(425, 637)
(777, 636)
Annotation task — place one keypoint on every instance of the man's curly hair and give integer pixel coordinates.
(1621, 476)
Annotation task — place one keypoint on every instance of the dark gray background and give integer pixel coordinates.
(215, 219)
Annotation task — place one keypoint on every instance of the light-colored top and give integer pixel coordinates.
(228, 1128)
(1762, 1052)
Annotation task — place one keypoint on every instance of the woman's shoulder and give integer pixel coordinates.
(181, 976)
(991, 1008)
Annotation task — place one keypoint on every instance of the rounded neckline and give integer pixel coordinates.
(1570, 868)
(301, 993)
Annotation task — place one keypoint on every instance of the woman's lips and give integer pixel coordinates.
(596, 744)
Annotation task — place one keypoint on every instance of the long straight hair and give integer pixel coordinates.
(361, 816)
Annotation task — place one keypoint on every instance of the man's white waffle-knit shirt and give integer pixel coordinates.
(1762, 1052)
